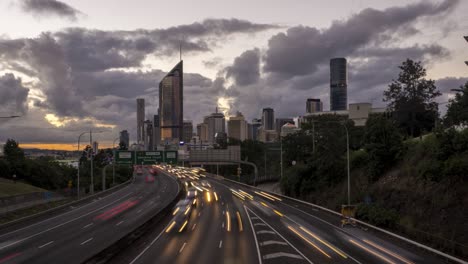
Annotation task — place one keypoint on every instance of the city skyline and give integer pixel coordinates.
(87, 87)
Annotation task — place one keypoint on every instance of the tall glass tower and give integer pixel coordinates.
(338, 84)
(171, 105)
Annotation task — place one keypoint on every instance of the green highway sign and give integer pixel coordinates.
(124, 157)
(145, 157)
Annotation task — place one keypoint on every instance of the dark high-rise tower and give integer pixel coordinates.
(338, 84)
(268, 119)
(140, 120)
(171, 105)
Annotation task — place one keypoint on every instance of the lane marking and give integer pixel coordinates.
(162, 232)
(220, 244)
(182, 248)
(86, 241)
(64, 223)
(254, 235)
(272, 242)
(46, 244)
(88, 225)
(265, 232)
(259, 224)
(194, 225)
(285, 240)
(66, 213)
(281, 254)
(139, 211)
(222, 226)
(119, 223)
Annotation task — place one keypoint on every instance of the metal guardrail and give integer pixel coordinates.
(66, 205)
(435, 251)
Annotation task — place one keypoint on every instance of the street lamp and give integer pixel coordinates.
(113, 162)
(458, 90)
(78, 172)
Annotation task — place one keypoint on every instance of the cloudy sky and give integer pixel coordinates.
(74, 65)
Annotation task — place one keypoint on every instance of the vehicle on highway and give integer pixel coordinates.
(192, 195)
(149, 178)
(181, 215)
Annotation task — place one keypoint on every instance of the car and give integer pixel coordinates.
(181, 217)
(192, 195)
(149, 178)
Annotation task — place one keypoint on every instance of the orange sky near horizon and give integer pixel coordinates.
(59, 146)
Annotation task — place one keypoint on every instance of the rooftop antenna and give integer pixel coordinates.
(180, 49)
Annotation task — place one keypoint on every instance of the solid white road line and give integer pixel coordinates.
(64, 223)
(46, 244)
(182, 248)
(285, 240)
(254, 235)
(156, 238)
(88, 225)
(84, 242)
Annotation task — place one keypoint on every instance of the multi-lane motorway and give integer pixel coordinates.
(82, 232)
(228, 223)
(238, 224)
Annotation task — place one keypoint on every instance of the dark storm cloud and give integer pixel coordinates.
(296, 62)
(301, 49)
(49, 7)
(246, 68)
(13, 95)
(445, 84)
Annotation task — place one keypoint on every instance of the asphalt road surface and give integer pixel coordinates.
(79, 234)
(237, 224)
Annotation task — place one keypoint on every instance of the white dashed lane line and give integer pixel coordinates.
(84, 242)
(46, 244)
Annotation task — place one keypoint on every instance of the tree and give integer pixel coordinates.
(383, 143)
(457, 110)
(15, 157)
(411, 99)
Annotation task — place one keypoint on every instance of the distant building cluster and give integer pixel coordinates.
(167, 128)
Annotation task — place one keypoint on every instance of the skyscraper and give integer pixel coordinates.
(140, 120)
(187, 131)
(171, 105)
(256, 124)
(216, 123)
(338, 84)
(313, 105)
(268, 119)
(148, 141)
(156, 132)
(124, 138)
(202, 132)
(237, 127)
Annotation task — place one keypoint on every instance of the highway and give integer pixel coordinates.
(76, 235)
(238, 224)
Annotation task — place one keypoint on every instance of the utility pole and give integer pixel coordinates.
(281, 158)
(113, 162)
(92, 154)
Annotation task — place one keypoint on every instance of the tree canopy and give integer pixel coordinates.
(411, 98)
(457, 110)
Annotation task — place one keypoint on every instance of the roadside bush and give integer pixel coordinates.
(377, 215)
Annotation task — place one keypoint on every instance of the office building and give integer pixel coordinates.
(187, 131)
(237, 127)
(268, 119)
(156, 132)
(358, 112)
(288, 128)
(313, 105)
(202, 132)
(124, 138)
(216, 123)
(267, 136)
(140, 120)
(148, 140)
(338, 84)
(171, 112)
(254, 127)
(280, 122)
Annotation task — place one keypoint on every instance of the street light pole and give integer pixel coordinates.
(349, 174)
(281, 156)
(113, 162)
(79, 159)
(13, 116)
(92, 155)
